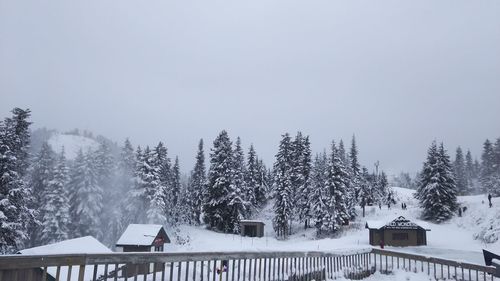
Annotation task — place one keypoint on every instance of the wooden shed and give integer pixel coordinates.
(252, 228)
(399, 232)
(142, 238)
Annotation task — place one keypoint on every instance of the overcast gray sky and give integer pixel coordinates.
(398, 74)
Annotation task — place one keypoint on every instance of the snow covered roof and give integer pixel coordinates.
(251, 221)
(398, 223)
(375, 224)
(140, 234)
(82, 245)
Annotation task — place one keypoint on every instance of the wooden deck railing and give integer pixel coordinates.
(231, 266)
(386, 261)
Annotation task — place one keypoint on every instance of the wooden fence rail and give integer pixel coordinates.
(231, 266)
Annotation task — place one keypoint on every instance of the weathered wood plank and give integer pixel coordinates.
(163, 265)
(58, 273)
(171, 275)
(202, 264)
(94, 274)
(265, 270)
(81, 272)
(194, 271)
(179, 271)
(116, 272)
(232, 271)
(70, 268)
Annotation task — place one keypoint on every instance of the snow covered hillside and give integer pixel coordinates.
(72, 144)
(454, 239)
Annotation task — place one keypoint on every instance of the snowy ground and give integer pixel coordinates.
(452, 240)
(395, 275)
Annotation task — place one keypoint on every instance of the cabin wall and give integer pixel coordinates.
(391, 239)
(129, 248)
(258, 227)
(421, 237)
(35, 274)
(374, 237)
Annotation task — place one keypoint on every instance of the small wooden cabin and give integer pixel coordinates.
(400, 232)
(252, 228)
(142, 238)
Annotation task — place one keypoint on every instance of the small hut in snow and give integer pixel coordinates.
(252, 228)
(399, 232)
(142, 238)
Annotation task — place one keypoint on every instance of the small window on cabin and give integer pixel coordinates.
(400, 236)
(159, 248)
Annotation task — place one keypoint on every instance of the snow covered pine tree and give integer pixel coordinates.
(437, 192)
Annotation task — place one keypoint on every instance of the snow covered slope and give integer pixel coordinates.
(454, 239)
(484, 220)
(72, 144)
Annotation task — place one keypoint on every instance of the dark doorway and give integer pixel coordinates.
(250, 230)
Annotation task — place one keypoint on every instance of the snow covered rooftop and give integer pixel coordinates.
(139, 234)
(400, 222)
(251, 221)
(375, 224)
(82, 245)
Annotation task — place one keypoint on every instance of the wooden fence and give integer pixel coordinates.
(231, 266)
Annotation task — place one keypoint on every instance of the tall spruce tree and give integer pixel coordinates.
(495, 181)
(353, 159)
(266, 183)
(437, 188)
(365, 190)
(242, 195)
(55, 207)
(154, 191)
(164, 167)
(354, 179)
(215, 206)
(302, 170)
(460, 172)
(41, 174)
(487, 175)
(322, 209)
(253, 178)
(337, 181)
(137, 197)
(15, 211)
(105, 170)
(470, 172)
(283, 193)
(175, 191)
(86, 197)
(342, 153)
(197, 184)
(124, 182)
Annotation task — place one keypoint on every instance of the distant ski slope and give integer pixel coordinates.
(72, 144)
